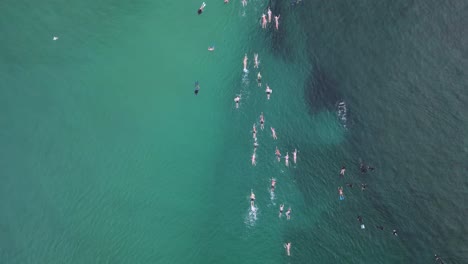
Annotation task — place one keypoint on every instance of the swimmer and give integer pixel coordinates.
(252, 198)
(202, 7)
(254, 163)
(262, 121)
(197, 88)
(245, 63)
(226, 1)
(273, 133)
(359, 218)
(236, 100)
(380, 227)
(264, 21)
(211, 48)
(286, 159)
(259, 79)
(276, 21)
(350, 185)
(255, 145)
(281, 210)
(269, 15)
(255, 60)
(278, 154)
(363, 186)
(287, 246)
(268, 91)
(273, 183)
(244, 3)
(342, 171)
(295, 156)
(254, 132)
(55, 38)
(288, 213)
(340, 191)
(395, 233)
(438, 259)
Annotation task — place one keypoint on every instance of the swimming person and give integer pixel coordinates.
(255, 145)
(255, 60)
(363, 186)
(273, 133)
(244, 3)
(252, 199)
(269, 15)
(211, 48)
(286, 159)
(254, 132)
(262, 122)
(395, 233)
(288, 213)
(236, 100)
(254, 163)
(202, 7)
(273, 183)
(197, 88)
(268, 91)
(340, 191)
(259, 79)
(278, 154)
(359, 218)
(295, 156)
(264, 21)
(276, 21)
(287, 246)
(281, 210)
(245, 63)
(342, 171)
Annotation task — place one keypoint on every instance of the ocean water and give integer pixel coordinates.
(107, 155)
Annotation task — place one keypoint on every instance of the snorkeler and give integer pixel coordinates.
(259, 79)
(268, 91)
(236, 100)
(295, 156)
(281, 210)
(273, 183)
(286, 159)
(245, 63)
(255, 60)
(264, 21)
(287, 246)
(278, 154)
(342, 171)
(262, 121)
(202, 7)
(197, 88)
(277, 21)
(269, 15)
(288, 213)
(273, 133)
(252, 198)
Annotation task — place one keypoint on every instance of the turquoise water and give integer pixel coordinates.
(108, 157)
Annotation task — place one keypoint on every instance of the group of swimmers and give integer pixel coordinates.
(264, 19)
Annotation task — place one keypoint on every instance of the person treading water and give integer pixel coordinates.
(197, 88)
(256, 60)
(245, 63)
(273, 133)
(277, 21)
(269, 15)
(295, 156)
(264, 21)
(262, 121)
(252, 199)
(237, 100)
(202, 7)
(286, 159)
(278, 154)
(287, 246)
(281, 210)
(268, 91)
(259, 79)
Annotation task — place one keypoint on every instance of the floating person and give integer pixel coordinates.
(281, 210)
(269, 15)
(295, 156)
(340, 192)
(244, 3)
(278, 154)
(268, 91)
(380, 227)
(245, 63)
(254, 162)
(395, 233)
(288, 213)
(286, 159)
(254, 132)
(264, 21)
(197, 88)
(359, 218)
(256, 60)
(273, 183)
(262, 121)
(226, 1)
(363, 186)
(287, 246)
(202, 7)
(237, 100)
(55, 38)
(277, 21)
(259, 79)
(252, 199)
(342, 171)
(273, 133)
(211, 48)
